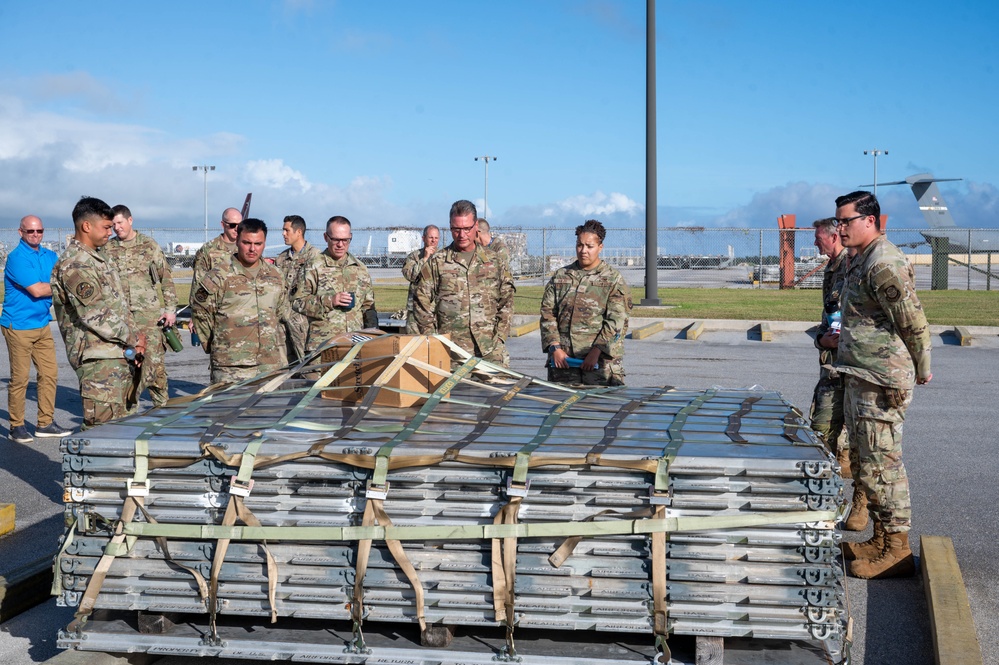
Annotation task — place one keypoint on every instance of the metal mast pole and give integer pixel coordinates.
(206, 169)
(651, 224)
(485, 199)
(876, 152)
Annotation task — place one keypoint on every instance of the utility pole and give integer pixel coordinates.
(876, 152)
(485, 199)
(651, 181)
(206, 169)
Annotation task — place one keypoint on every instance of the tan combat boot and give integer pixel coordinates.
(857, 521)
(895, 560)
(869, 549)
(843, 457)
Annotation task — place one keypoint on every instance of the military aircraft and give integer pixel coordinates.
(935, 211)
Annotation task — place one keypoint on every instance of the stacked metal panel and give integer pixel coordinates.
(748, 495)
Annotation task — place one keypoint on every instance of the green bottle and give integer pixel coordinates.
(172, 338)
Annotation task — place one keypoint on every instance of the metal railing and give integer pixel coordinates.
(686, 257)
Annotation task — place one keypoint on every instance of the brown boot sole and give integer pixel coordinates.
(904, 567)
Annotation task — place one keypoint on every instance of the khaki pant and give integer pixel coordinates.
(24, 347)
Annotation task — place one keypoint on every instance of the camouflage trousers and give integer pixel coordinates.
(154, 375)
(296, 330)
(874, 415)
(229, 374)
(608, 374)
(107, 389)
(827, 412)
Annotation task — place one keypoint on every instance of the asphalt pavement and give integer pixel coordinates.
(949, 451)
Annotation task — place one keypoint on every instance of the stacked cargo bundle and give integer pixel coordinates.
(377, 486)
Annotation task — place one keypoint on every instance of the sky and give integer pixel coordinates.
(376, 110)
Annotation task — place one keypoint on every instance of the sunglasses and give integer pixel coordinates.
(231, 225)
(34, 231)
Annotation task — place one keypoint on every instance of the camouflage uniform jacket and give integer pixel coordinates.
(318, 283)
(582, 309)
(473, 304)
(238, 315)
(411, 270)
(500, 248)
(145, 278)
(213, 253)
(885, 337)
(290, 263)
(832, 291)
(90, 305)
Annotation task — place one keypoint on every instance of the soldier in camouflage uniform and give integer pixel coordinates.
(412, 268)
(238, 309)
(827, 400)
(94, 318)
(467, 292)
(584, 315)
(148, 285)
(486, 239)
(299, 255)
(884, 348)
(220, 248)
(334, 291)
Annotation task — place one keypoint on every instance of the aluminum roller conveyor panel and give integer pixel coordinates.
(479, 491)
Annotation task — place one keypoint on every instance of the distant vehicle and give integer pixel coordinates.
(401, 242)
(181, 254)
(937, 215)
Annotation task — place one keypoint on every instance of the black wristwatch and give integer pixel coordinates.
(552, 347)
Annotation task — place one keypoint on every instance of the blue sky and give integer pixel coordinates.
(375, 110)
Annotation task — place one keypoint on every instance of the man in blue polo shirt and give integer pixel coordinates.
(25, 324)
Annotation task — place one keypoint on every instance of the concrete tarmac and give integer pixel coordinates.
(949, 455)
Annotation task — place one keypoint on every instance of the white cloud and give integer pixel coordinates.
(593, 205)
(275, 173)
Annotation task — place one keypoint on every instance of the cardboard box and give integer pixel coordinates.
(374, 358)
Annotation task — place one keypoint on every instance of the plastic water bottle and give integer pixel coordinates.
(834, 317)
(577, 362)
(835, 321)
(129, 353)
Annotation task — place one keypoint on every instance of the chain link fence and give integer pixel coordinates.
(960, 259)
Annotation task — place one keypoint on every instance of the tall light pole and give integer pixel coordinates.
(876, 152)
(651, 298)
(485, 199)
(206, 169)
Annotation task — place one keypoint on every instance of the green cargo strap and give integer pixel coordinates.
(475, 531)
(523, 462)
(382, 456)
(610, 429)
(675, 430)
(487, 418)
(57, 564)
(361, 410)
(316, 388)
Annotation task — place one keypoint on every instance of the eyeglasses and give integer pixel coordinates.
(846, 222)
(455, 230)
(35, 231)
(339, 241)
(231, 225)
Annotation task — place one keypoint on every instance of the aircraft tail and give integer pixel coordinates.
(245, 212)
(931, 201)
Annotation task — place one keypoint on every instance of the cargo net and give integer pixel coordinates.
(394, 479)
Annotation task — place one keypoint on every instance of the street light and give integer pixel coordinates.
(485, 198)
(206, 169)
(876, 152)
